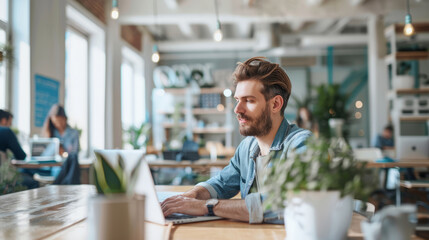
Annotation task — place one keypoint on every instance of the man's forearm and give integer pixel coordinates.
(198, 192)
(233, 209)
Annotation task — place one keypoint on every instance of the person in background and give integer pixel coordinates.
(5, 118)
(305, 120)
(384, 141)
(8, 139)
(56, 125)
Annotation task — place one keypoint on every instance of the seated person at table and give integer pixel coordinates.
(8, 139)
(262, 92)
(384, 141)
(56, 125)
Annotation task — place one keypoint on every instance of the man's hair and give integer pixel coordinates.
(5, 114)
(389, 127)
(274, 79)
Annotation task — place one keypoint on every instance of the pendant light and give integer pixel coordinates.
(408, 28)
(115, 10)
(217, 35)
(155, 51)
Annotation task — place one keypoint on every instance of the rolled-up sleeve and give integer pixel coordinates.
(254, 206)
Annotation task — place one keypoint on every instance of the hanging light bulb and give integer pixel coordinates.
(115, 10)
(217, 35)
(155, 54)
(408, 28)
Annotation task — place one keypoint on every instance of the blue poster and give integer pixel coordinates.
(46, 95)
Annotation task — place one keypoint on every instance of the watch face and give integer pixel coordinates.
(212, 202)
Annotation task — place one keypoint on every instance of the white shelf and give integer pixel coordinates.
(219, 130)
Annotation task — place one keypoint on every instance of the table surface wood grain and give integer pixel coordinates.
(59, 213)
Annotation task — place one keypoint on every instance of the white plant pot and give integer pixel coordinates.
(318, 215)
(116, 217)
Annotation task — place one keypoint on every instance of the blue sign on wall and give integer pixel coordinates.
(46, 95)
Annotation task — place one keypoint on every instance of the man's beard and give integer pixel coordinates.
(258, 128)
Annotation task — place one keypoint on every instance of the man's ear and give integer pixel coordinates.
(276, 104)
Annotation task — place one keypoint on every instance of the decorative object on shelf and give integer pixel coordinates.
(316, 188)
(408, 28)
(391, 223)
(330, 103)
(424, 81)
(164, 77)
(183, 75)
(116, 212)
(403, 82)
(115, 10)
(217, 35)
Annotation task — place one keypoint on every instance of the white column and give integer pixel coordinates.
(113, 85)
(377, 77)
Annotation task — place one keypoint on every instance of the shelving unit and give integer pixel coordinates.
(210, 123)
(397, 115)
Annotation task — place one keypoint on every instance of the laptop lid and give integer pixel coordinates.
(412, 148)
(44, 149)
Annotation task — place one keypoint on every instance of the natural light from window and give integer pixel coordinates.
(3, 85)
(76, 84)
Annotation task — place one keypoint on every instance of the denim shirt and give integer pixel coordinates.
(239, 174)
(69, 140)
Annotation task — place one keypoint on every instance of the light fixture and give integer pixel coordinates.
(217, 35)
(408, 28)
(115, 10)
(155, 53)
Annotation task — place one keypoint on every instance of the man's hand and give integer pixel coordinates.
(185, 205)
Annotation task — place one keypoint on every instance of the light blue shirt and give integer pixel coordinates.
(239, 174)
(69, 140)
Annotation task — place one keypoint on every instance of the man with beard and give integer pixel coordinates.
(262, 90)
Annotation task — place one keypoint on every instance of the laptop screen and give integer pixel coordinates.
(44, 148)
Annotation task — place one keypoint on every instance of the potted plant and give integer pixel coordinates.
(316, 188)
(10, 179)
(330, 103)
(138, 137)
(116, 212)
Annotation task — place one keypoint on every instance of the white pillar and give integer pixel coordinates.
(377, 77)
(113, 85)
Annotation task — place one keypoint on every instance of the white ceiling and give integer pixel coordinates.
(263, 25)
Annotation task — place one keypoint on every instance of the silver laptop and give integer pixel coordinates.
(44, 149)
(412, 148)
(146, 186)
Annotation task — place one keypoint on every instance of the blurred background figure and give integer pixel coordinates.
(5, 118)
(384, 141)
(56, 125)
(8, 140)
(305, 120)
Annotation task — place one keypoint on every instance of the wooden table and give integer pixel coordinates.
(199, 164)
(402, 164)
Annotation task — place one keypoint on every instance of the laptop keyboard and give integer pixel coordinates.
(177, 216)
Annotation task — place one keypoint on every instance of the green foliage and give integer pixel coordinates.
(326, 165)
(304, 103)
(10, 179)
(109, 179)
(329, 103)
(138, 136)
(6, 53)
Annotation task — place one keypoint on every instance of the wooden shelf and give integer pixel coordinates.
(412, 91)
(201, 111)
(414, 118)
(419, 27)
(211, 130)
(406, 55)
(171, 125)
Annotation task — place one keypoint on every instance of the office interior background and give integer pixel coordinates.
(102, 69)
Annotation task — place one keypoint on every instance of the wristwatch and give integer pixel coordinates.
(211, 203)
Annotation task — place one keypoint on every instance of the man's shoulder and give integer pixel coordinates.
(5, 130)
(297, 134)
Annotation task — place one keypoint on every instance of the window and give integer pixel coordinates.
(132, 90)
(76, 84)
(3, 39)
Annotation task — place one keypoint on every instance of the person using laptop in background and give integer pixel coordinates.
(8, 138)
(8, 141)
(384, 141)
(56, 126)
(262, 92)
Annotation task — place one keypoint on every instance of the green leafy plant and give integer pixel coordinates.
(10, 179)
(330, 103)
(326, 165)
(109, 179)
(138, 136)
(6, 53)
